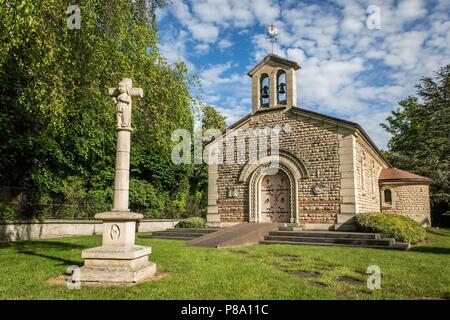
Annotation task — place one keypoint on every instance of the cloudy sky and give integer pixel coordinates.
(349, 70)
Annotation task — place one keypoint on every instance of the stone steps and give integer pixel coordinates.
(376, 242)
(161, 236)
(330, 244)
(327, 234)
(191, 230)
(249, 233)
(177, 234)
(329, 238)
(181, 233)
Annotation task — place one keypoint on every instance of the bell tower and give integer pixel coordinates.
(274, 83)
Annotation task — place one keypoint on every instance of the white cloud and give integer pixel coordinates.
(223, 44)
(202, 48)
(347, 69)
(173, 46)
(403, 49)
(408, 10)
(266, 11)
(204, 31)
(233, 111)
(200, 30)
(296, 54)
(213, 75)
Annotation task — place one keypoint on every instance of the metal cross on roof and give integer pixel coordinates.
(272, 33)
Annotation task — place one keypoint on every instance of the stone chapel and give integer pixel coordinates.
(328, 169)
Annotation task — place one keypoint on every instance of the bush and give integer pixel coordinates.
(145, 198)
(391, 225)
(9, 212)
(195, 206)
(194, 222)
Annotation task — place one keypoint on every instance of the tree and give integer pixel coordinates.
(420, 140)
(56, 116)
(211, 119)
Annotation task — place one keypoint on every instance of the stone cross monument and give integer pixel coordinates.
(119, 260)
(122, 98)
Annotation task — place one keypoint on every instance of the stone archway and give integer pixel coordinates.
(289, 160)
(253, 173)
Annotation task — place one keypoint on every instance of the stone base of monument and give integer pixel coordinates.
(118, 260)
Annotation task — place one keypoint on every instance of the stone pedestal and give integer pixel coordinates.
(118, 260)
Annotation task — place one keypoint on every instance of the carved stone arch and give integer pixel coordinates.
(255, 191)
(286, 158)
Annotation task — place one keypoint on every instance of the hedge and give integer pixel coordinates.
(391, 225)
(194, 222)
(9, 211)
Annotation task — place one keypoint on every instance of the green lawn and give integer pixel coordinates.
(256, 272)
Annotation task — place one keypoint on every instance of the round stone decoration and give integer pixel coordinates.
(114, 232)
(317, 189)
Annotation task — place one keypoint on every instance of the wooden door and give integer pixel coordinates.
(275, 201)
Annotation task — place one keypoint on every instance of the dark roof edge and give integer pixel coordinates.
(407, 180)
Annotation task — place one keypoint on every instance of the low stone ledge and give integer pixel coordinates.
(119, 216)
(49, 221)
(40, 229)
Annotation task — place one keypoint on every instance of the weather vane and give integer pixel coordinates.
(272, 33)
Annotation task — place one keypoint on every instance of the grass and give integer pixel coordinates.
(255, 272)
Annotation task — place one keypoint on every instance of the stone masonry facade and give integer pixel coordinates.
(368, 166)
(411, 200)
(312, 141)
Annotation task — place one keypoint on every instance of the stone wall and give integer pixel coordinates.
(368, 165)
(30, 229)
(314, 142)
(411, 200)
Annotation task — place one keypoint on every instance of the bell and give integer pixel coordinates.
(265, 92)
(282, 88)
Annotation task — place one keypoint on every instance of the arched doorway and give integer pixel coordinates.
(275, 198)
(254, 172)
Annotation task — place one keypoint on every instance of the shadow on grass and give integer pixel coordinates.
(435, 250)
(439, 232)
(35, 247)
(40, 245)
(63, 262)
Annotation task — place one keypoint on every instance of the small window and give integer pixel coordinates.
(264, 90)
(281, 87)
(388, 196)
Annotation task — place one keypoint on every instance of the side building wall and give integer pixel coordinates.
(368, 165)
(411, 200)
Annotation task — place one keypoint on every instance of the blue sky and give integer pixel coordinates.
(348, 70)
